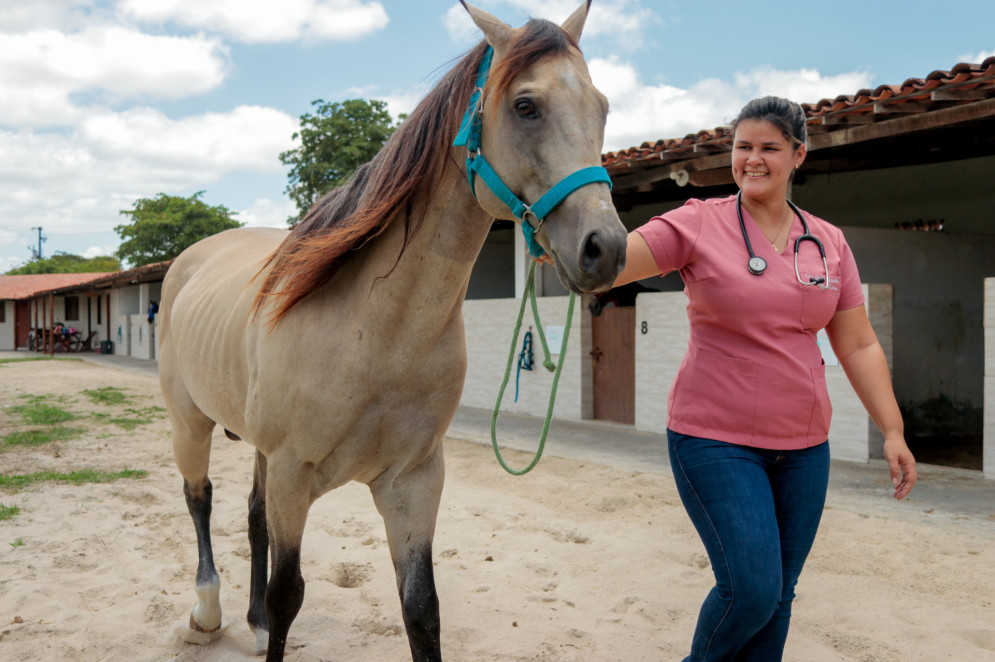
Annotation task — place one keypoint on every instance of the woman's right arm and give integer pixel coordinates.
(639, 261)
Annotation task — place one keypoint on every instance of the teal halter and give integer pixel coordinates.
(476, 164)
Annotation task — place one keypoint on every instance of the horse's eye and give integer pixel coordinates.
(526, 108)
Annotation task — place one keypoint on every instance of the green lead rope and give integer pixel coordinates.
(530, 293)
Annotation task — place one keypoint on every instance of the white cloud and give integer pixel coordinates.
(623, 22)
(266, 213)
(976, 58)
(100, 251)
(266, 20)
(460, 27)
(641, 112)
(41, 70)
(802, 85)
(26, 16)
(247, 138)
(66, 182)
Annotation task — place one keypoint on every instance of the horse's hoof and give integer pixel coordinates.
(262, 641)
(194, 634)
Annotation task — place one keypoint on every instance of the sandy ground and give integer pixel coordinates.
(576, 561)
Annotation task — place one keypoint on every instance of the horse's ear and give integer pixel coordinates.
(575, 22)
(497, 33)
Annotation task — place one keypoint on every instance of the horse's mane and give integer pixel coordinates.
(345, 219)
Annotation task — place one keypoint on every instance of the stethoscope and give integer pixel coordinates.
(757, 265)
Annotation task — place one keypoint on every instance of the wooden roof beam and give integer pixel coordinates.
(904, 124)
(654, 175)
(849, 118)
(960, 94)
(903, 107)
(712, 148)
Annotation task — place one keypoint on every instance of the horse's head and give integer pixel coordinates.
(543, 121)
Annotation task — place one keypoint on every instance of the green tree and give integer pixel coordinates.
(67, 263)
(335, 141)
(161, 227)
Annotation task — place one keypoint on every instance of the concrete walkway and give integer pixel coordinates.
(942, 493)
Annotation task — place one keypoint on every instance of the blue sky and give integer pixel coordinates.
(103, 102)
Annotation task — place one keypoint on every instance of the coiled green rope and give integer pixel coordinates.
(530, 294)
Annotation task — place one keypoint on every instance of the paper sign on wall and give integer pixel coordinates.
(827, 350)
(554, 338)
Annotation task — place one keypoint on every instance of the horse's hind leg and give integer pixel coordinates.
(192, 451)
(259, 544)
(409, 504)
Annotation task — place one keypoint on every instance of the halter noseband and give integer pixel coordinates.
(476, 164)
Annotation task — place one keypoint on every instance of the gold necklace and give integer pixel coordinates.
(784, 223)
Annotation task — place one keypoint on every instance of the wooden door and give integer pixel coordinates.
(613, 339)
(22, 323)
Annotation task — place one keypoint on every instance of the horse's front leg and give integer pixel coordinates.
(409, 504)
(288, 498)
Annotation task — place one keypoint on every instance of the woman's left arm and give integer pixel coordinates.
(857, 347)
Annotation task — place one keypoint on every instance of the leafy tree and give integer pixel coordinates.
(335, 141)
(67, 263)
(161, 227)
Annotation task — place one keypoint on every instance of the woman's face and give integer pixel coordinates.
(763, 160)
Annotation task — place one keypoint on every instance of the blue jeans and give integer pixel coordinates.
(757, 512)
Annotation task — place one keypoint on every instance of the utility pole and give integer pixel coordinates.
(41, 238)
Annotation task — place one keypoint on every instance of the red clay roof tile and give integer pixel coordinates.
(963, 76)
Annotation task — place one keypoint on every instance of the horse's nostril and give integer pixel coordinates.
(594, 249)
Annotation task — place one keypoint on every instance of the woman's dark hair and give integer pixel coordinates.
(782, 113)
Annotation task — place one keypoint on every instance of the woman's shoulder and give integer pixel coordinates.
(820, 222)
(824, 229)
(698, 207)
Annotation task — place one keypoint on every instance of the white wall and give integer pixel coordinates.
(7, 327)
(489, 326)
(989, 425)
(124, 303)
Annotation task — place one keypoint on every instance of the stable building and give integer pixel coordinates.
(905, 171)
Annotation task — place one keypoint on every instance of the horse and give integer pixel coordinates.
(337, 349)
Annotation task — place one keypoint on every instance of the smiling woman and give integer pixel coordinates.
(749, 412)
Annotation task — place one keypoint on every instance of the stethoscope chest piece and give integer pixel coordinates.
(757, 265)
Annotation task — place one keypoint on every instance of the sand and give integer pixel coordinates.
(575, 561)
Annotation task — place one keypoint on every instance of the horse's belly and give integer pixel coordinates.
(357, 423)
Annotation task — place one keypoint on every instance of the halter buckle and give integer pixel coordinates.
(538, 221)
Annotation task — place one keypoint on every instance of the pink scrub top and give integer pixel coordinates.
(753, 373)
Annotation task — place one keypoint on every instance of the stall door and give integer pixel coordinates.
(613, 339)
(22, 323)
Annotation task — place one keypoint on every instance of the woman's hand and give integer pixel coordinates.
(901, 464)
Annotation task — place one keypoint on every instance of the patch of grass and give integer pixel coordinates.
(8, 512)
(20, 481)
(40, 357)
(33, 358)
(37, 411)
(17, 543)
(108, 395)
(43, 436)
(130, 423)
(137, 417)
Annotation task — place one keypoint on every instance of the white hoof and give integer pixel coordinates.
(192, 635)
(262, 641)
(206, 614)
